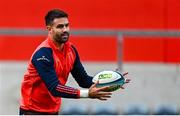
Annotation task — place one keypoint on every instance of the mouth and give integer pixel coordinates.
(65, 35)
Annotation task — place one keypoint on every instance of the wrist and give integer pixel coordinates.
(84, 93)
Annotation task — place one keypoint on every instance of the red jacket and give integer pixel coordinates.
(46, 76)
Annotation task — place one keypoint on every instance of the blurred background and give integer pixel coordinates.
(137, 36)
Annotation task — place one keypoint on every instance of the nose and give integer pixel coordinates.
(65, 29)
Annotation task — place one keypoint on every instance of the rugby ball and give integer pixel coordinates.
(109, 78)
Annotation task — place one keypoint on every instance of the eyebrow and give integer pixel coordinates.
(62, 25)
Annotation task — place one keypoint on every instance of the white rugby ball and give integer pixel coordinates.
(109, 78)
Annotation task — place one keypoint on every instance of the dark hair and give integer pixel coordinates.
(52, 14)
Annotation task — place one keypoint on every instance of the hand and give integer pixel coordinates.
(127, 80)
(99, 93)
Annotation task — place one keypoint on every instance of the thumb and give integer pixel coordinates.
(125, 73)
(97, 82)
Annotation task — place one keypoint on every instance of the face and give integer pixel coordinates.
(59, 30)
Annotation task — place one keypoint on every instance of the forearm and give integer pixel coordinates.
(69, 92)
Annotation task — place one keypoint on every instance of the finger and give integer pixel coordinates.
(94, 85)
(102, 88)
(127, 80)
(104, 93)
(125, 73)
(106, 96)
(103, 99)
(121, 87)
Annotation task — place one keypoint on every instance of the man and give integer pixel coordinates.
(50, 64)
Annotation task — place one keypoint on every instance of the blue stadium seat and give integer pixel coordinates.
(104, 109)
(74, 109)
(166, 109)
(136, 109)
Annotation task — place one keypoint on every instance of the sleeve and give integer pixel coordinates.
(79, 73)
(44, 64)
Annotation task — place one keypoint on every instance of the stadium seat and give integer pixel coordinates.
(136, 109)
(104, 109)
(74, 109)
(165, 110)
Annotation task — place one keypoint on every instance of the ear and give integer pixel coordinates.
(48, 28)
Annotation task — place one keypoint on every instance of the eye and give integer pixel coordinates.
(60, 26)
(66, 25)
